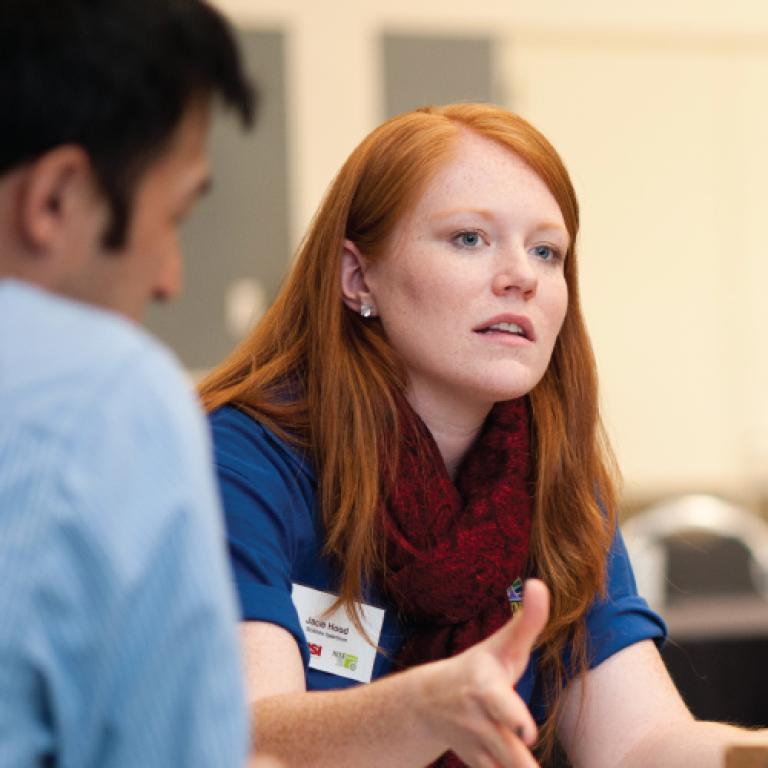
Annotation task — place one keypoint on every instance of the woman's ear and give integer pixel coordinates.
(354, 289)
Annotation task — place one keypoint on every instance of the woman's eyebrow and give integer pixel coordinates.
(542, 226)
(554, 230)
(548, 227)
(482, 212)
(551, 226)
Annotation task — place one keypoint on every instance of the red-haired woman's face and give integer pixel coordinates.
(471, 291)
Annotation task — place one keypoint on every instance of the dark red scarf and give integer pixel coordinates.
(453, 549)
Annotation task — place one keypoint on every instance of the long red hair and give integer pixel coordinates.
(314, 372)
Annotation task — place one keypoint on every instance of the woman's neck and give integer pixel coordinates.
(454, 425)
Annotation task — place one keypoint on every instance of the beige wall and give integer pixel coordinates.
(660, 110)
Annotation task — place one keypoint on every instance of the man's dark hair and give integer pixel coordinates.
(114, 77)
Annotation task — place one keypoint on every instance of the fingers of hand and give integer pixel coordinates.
(518, 753)
(497, 748)
(508, 712)
(495, 719)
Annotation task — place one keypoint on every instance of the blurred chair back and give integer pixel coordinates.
(661, 538)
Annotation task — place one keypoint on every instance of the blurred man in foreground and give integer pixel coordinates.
(117, 624)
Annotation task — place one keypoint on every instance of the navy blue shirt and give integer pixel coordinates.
(275, 538)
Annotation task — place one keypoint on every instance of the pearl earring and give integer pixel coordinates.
(366, 311)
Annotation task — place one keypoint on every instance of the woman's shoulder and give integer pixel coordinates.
(268, 490)
(621, 617)
(247, 446)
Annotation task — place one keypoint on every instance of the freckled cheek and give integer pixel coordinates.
(558, 318)
(556, 308)
(417, 316)
(437, 294)
(409, 294)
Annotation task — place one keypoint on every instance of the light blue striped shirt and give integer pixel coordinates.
(117, 621)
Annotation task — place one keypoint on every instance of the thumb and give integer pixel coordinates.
(514, 641)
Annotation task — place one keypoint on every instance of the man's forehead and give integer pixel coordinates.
(186, 158)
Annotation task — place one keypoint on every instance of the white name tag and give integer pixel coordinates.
(335, 645)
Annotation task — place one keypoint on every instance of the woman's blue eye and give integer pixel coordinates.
(468, 239)
(545, 252)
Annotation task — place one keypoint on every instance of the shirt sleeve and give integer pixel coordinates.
(268, 509)
(615, 622)
(144, 625)
(623, 617)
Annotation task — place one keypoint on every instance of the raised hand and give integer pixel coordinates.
(470, 698)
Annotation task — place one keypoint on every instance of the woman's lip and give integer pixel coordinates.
(520, 320)
(504, 337)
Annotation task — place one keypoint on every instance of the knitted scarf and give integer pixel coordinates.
(453, 549)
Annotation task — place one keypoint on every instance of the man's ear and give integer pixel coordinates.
(354, 289)
(53, 187)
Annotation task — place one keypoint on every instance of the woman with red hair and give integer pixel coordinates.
(409, 434)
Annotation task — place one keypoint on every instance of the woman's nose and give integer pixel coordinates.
(515, 272)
